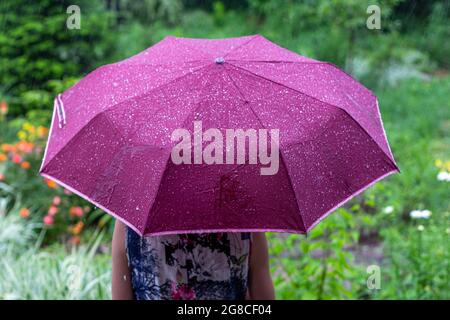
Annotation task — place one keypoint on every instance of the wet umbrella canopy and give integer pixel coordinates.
(116, 135)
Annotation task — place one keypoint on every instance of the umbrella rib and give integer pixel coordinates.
(155, 88)
(235, 85)
(121, 102)
(316, 99)
(284, 163)
(279, 61)
(74, 138)
(158, 64)
(256, 36)
(163, 174)
(201, 98)
(189, 46)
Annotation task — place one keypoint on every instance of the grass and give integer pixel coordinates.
(31, 272)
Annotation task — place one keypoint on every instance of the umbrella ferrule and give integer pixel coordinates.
(219, 60)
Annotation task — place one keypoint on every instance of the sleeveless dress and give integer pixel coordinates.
(189, 266)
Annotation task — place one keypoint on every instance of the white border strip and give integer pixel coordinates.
(48, 137)
(384, 133)
(82, 195)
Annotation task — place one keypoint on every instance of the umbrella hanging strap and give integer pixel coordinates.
(59, 105)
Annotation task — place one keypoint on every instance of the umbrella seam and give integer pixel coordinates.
(147, 93)
(234, 84)
(162, 176)
(149, 215)
(71, 140)
(157, 65)
(348, 76)
(332, 105)
(256, 36)
(284, 163)
(281, 154)
(124, 101)
(189, 46)
(292, 188)
(201, 98)
(279, 61)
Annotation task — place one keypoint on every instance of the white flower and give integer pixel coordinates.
(388, 209)
(209, 265)
(443, 176)
(420, 214)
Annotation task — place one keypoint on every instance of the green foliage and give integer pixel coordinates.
(37, 49)
(318, 266)
(418, 260)
(338, 25)
(417, 127)
(150, 11)
(29, 272)
(437, 29)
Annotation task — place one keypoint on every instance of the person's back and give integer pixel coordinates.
(189, 266)
(219, 266)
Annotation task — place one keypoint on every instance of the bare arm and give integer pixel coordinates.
(121, 284)
(260, 281)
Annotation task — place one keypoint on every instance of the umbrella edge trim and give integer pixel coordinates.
(82, 195)
(354, 194)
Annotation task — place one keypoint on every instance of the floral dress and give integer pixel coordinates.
(189, 266)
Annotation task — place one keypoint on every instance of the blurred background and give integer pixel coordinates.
(392, 242)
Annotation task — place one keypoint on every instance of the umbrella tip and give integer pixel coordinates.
(219, 60)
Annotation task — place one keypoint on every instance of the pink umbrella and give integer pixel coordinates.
(111, 139)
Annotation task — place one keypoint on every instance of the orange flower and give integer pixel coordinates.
(75, 240)
(76, 212)
(3, 157)
(7, 147)
(48, 220)
(42, 131)
(24, 212)
(24, 146)
(52, 211)
(25, 165)
(77, 228)
(3, 107)
(2, 177)
(50, 183)
(16, 158)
